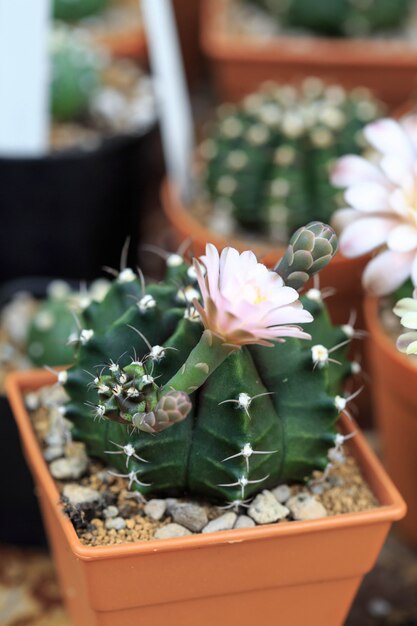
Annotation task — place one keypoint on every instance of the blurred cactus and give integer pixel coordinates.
(54, 329)
(267, 160)
(338, 17)
(76, 68)
(73, 10)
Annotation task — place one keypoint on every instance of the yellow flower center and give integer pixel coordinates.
(253, 294)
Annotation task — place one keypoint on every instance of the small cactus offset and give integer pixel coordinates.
(267, 160)
(350, 18)
(73, 10)
(76, 69)
(205, 383)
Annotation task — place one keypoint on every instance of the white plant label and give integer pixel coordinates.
(171, 90)
(24, 77)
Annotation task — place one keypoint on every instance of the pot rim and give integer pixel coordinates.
(378, 334)
(392, 506)
(177, 213)
(217, 43)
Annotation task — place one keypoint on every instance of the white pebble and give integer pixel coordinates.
(244, 521)
(282, 493)
(116, 523)
(155, 509)
(224, 522)
(266, 509)
(306, 507)
(77, 494)
(170, 531)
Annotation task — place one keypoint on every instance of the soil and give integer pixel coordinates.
(342, 489)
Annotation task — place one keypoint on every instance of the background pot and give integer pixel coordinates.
(304, 568)
(394, 389)
(239, 64)
(69, 213)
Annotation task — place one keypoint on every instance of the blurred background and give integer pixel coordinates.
(121, 139)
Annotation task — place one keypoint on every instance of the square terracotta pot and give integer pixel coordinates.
(394, 389)
(240, 63)
(293, 573)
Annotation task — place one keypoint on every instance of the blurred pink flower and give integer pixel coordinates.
(382, 199)
(406, 309)
(244, 302)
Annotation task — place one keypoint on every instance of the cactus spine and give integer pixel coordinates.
(225, 427)
(267, 161)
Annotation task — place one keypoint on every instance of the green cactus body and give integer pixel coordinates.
(260, 416)
(73, 10)
(339, 17)
(76, 68)
(268, 159)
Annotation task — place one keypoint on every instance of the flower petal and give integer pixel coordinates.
(387, 271)
(402, 238)
(368, 197)
(389, 137)
(405, 305)
(342, 218)
(351, 170)
(407, 343)
(364, 235)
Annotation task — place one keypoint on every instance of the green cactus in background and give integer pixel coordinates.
(339, 17)
(53, 331)
(73, 10)
(267, 160)
(76, 69)
(176, 409)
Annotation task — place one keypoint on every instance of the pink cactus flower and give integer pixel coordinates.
(382, 199)
(244, 302)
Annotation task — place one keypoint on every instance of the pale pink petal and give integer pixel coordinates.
(212, 262)
(343, 217)
(351, 170)
(409, 123)
(407, 343)
(364, 235)
(387, 271)
(395, 169)
(402, 238)
(414, 272)
(388, 137)
(368, 197)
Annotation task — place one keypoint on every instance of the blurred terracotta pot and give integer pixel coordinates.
(129, 44)
(310, 570)
(240, 63)
(394, 389)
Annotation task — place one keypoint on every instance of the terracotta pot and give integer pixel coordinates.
(241, 63)
(395, 381)
(306, 569)
(130, 44)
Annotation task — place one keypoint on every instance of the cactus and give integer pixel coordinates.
(178, 408)
(268, 159)
(73, 10)
(54, 327)
(76, 67)
(339, 17)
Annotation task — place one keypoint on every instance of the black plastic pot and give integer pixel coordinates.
(68, 214)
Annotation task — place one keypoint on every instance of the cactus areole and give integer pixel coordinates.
(205, 383)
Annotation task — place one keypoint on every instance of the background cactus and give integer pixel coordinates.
(246, 428)
(73, 10)
(76, 67)
(339, 17)
(267, 160)
(53, 331)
